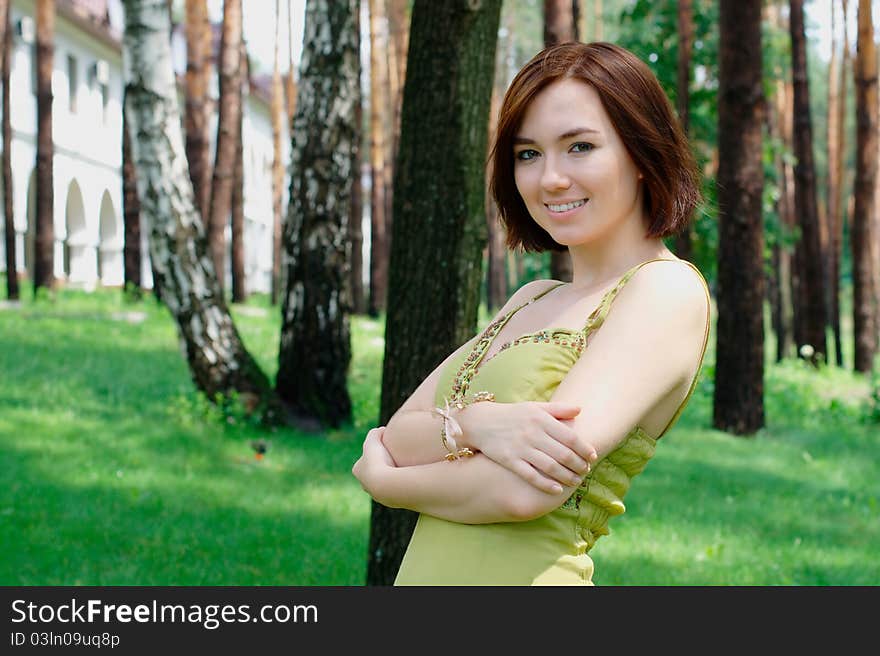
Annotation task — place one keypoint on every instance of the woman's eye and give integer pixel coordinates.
(582, 147)
(525, 155)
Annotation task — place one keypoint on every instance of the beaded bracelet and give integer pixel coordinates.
(450, 429)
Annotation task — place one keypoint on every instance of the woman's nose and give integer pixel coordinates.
(554, 178)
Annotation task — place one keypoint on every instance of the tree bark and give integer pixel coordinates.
(44, 260)
(836, 135)
(219, 363)
(290, 79)
(496, 278)
(12, 291)
(315, 349)
(228, 120)
(379, 246)
(398, 28)
(436, 248)
(811, 318)
(239, 280)
(131, 215)
(237, 245)
(864, 294)
(356, 217)
(277, 111)
(683, 241)
(739, 373)
(197, 28)
(559, 28)
(837, 225)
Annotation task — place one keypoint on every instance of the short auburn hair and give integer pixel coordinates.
(640, 113)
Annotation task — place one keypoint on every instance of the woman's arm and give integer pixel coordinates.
(472, 490)
(412, 435)
(631, 364)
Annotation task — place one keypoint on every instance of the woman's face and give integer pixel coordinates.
(571, 168)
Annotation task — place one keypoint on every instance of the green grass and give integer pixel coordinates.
(115, 472)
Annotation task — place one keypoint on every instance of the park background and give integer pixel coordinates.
(120, 468)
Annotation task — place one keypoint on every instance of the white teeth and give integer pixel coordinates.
(567, 206)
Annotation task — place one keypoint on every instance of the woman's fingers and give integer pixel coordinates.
(550, 468)
(560, 410)
(533, 477)
(568, 449)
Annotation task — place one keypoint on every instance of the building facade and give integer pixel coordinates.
(87, 86)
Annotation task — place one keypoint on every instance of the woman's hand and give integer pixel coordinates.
(534, 440)
(374, 459)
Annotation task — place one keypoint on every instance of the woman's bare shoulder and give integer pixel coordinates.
(530, 290)
(672, 288)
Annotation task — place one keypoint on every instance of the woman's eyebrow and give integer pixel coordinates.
(562, 137)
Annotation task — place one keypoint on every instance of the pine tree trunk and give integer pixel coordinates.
(835, 180)
(378, 149)
(218, 361)
(779, 123)
(290, 80)
(837, 225)
(228, 120)
(237, 246)
(277, 111)
(739, 372)
(864, 295)
(315, 349)
(496, 278)
(131, 215)
(809, 248)
(788, 272)
(12, 292)
(559, 28)
(683, 245)
(436, 249)
(44, 260)
(398, 27)
(198, 74)
(356, 217)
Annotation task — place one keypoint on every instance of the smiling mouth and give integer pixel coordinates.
(565, 207)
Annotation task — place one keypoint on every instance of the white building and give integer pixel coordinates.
(87, 87)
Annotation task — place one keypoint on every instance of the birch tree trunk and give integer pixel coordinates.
(12, 291)
(44, 260)
(864, 294)
(228, 120)
(436, 248)
(217, 359)
(739, 373)
(315, 349)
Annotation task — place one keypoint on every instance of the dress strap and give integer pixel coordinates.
(597, 317)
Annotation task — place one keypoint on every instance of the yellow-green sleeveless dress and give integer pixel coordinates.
(552, 549)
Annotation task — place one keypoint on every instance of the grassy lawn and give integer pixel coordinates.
(114, 472)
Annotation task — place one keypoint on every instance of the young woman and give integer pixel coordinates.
(521, 445)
